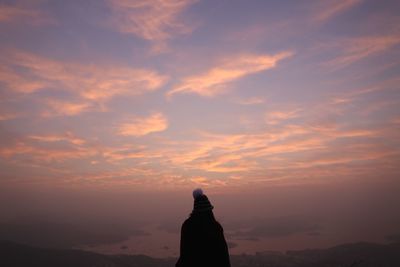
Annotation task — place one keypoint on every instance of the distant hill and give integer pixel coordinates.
(17, 255)
(348, 255)
(64, 235)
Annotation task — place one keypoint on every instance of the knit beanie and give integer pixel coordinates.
(201, 202)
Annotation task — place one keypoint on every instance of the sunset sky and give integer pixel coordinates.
(169, 95)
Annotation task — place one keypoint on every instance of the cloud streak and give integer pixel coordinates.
(64, 108)
(8, 116)
(330, 9)
(67, 137)
(215, 80)
(26, 152)
(355, 49)
(276, 117)
(250, 101)
(14, 13)
(140, 126)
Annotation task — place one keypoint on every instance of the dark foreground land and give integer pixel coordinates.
(357, 254)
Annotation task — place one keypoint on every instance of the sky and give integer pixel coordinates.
(283, 110)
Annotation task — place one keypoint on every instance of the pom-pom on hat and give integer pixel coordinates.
(201, 202)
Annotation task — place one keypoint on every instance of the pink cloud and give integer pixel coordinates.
(64, 108)
(215, 80)
(275, 117)
(140, 126)
(331, 8)
(250, 101)
(67, 137)
(43, 156)
(152, 20)
(96, 83)
(28, 14)
(356, 49)
(8, 116)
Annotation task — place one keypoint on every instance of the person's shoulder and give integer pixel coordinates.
(188, 225)
(187, 222)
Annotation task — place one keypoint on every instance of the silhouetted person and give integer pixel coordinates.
(202, 237)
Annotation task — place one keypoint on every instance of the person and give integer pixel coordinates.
(202, 237)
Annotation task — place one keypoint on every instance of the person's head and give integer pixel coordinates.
(202, 206)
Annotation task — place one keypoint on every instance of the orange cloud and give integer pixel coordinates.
(250, 101)
(356, 49)
(345, 158)
(43, 155)
(291, 146)
(354, 95)
(207, 182)
(379, 86)
(152, 20)
(67, 137)
(276, 117)
(93, 82)
(8, 116)
(200, 180)
(277, 147)
(20, 83)
(332, 8)
(380, 105)
(127, 152)
(225, 163)
(156, 122)
(215, 80)
(49, 149)
(63, 108)
(226, 153)
(396, 120)
(113, 175)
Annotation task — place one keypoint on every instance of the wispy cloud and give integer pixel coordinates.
(341, 155)
(275, 117)
(14, 13)
(207, 182)
(153, 20)
(140, 126)
(28, 73)
(227, 153)
(67, 137)
(359, 48)
(363, 101)
(216, 80)
(8, 116)
(281, 146)
(326, 10)
(250, 101)
(200, 180)
(25, 151)
(64, 108)
(19, 82)
(128, 152)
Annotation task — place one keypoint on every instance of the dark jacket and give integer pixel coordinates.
(203, 243)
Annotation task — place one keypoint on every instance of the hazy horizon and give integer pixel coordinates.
(286, 113)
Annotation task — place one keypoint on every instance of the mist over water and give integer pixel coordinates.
(274, 218)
